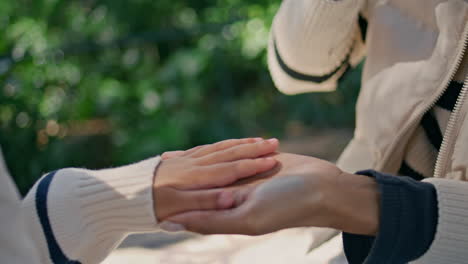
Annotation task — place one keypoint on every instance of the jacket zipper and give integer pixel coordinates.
(447, 140)
(441, 158)
(441, 162)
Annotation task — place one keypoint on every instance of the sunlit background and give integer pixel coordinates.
(100, 83)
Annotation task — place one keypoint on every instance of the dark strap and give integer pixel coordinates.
(406, 170)
(432, 129)
(449, 98)
(362, 26)
(56, 254)
(307, 77)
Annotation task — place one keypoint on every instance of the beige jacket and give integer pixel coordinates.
(413, 49)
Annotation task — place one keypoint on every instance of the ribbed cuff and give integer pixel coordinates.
(91, 211)
(451, 238)
(120, 199)
(408, 219)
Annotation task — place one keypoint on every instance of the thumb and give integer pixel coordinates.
(211, 222)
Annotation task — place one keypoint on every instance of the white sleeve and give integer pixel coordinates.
(80, 216)
(451, 238)
(312, 42)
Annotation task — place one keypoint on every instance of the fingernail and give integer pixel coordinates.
(272, 140)
(270, 160)
(171, 227)
(258, 139)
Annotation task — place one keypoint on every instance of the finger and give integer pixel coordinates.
(206, 200)
(192, 150)
(227, 221)
(215, 199)
(207, 149)
(259, 177)
(172, 154)
(227, 173)
(237, 195)
(178, 153)
(211, 222)
(244, 151)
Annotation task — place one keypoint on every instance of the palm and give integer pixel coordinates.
(292, 165)
(279, 194)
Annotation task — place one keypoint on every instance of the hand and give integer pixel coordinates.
(305, 192)
(187, 180)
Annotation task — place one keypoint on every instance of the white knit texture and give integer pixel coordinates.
(451, 241)
(92, 211)
(314, 38)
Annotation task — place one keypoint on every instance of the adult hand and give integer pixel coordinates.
(188, 180)
(305, 192)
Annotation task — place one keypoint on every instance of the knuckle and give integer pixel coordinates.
(201, 203)
(194, 174)
(227, 142)
(201, 147)
(263, 145)
(241, 166)
(203, 161)
(195, 149)
(235, 152)
(218, 146)
(228, 154)
(255, 148)
(248, 140)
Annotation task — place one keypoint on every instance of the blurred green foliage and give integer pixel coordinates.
(97, 83)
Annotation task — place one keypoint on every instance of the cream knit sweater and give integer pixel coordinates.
(75, 215)
(310, 40)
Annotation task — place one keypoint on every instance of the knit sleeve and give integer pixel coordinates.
(408, 220)
(451, 238)
(79, 216)
(312, 42)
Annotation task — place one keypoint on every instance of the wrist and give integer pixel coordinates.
(355, 205)
(162, 195)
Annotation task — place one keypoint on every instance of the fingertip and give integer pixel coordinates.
(269, 145)
(226, 200)
(241, 196)
(273, 141)
(268, 162)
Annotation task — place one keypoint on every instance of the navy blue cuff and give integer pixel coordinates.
(408, 221)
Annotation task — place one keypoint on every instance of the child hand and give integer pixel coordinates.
(187, 180)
